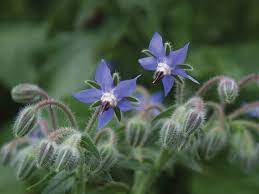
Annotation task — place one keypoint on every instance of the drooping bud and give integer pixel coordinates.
(228, 90)
(109, 156)
(46, 153)
(194, 116)
(171, 135)
(195, 103)
(25, 93)
(25, 122)
(7, 153)
(214, 140)
(68, 155)
(61, 134)
(137, 132)
(67, 158)
(27, 165)
(244, 149)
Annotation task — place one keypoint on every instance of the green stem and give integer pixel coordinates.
(143, 181)
(60, 105)
(179, 92)
(91, 122)
(51, 111)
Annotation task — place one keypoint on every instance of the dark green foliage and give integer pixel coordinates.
(57, 44)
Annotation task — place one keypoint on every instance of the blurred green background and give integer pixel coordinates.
(57, 44)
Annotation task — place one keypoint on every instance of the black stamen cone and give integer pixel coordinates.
(158, 76)
(105, 106)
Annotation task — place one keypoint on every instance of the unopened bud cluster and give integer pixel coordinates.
(214, 140)
(244, 149)
(186, 119)
(137, 131)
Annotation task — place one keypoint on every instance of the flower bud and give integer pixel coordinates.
(67, 157)
(195, 103)
(171, 135)
(193, 120)
(7, 153)
(137, 132)
(46, 153)
(26, 121)
(244, 149)
(25, 93)
(214, 141)
(61, 134)
(109, 156)
(27, 165)
(228, 90)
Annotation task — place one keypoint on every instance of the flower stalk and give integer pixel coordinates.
(60, 105)
(208, 84)
(243, 109)
(248, 79)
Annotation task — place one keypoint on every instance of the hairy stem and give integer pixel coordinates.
(179, 92)
(143, 181)
(92, 120)
(208, 84)
(247, 79)
(109, 132)
(243, 109)
(246, 123)
(51, 111)
(60, 105)
(220, 111)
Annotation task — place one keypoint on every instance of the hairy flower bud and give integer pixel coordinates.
(244, 149)
(214, 140)
(137, 132)
(25, 93)
(7, 153)
(195, 103)
(228, 90)
(26, 121)
(67, 157)
(109, 156)
(46, 153)
(193, 120)
(27, 165)
(171, 135)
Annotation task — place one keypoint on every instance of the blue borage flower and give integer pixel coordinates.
(154, 99)
(254, 112)
(111, 97)
(166, 67)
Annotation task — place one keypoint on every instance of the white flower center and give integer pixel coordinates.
(109, 97)
(163, 67)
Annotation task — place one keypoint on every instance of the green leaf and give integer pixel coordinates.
(133, 165)
(88, 144)
(60, 183)
(117, 113)
(165, 114)
(114, 187)
(132, 99)
(186, 67)
(92, 84)
(95, 104)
